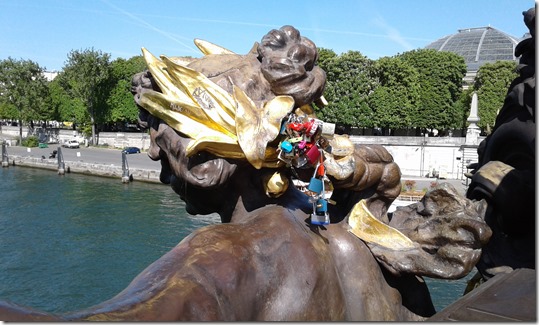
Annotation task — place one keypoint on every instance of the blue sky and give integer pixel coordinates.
(45, 31)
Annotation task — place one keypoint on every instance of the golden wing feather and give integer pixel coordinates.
(256, 127)
(226, 125)
(161, 77)
(208, 48)
(156, 103)
(210, 97)
(371, 230)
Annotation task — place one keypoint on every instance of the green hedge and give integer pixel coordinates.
(31, 141)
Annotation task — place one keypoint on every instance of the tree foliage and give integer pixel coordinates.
(86, 77)
(324, 58)
(8, 110)
(491, 84)
(24, 91)
(462, 107)
(67, 108)
(395, 98)
(120, 101)
(349, 83)
(417, 89)
(441, 76)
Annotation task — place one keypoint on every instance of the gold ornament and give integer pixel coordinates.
(226, 125)
(371, 230)
(275, 184)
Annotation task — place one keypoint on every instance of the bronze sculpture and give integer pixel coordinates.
(269, 260)
(505, 173)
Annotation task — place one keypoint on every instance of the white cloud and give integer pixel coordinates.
(151, 27)
(392, 33)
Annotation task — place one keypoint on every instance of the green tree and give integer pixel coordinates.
(349, 82)
(66, 108)
(8, 111)
(324, 58)
(122, 107)
(23, 91)
(86, 77)
(462, 107)
(394, 100)
(491, 83)
(440, 74)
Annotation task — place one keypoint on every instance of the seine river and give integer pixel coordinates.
(72, 241)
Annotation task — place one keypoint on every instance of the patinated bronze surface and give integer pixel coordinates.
(506, 173)
(267, 261)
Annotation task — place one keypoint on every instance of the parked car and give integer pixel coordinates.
(129, 150)
(71, 144)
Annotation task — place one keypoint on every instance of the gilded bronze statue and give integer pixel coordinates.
(233, 133)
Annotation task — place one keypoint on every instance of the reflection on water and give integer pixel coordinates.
(68, 242)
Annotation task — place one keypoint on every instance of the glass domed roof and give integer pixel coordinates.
(478, 46)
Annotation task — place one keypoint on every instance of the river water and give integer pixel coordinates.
(72, 241)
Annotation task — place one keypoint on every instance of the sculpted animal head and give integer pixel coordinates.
(448, 232)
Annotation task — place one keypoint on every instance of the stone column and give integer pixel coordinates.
(469, 148)
(473, 131)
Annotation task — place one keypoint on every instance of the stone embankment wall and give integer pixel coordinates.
(125, 139)
(442, 157)
(54, 135)
(136, 174)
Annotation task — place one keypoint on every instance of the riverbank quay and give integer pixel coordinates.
(107, 162)
(93, 161)
(445, 157)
